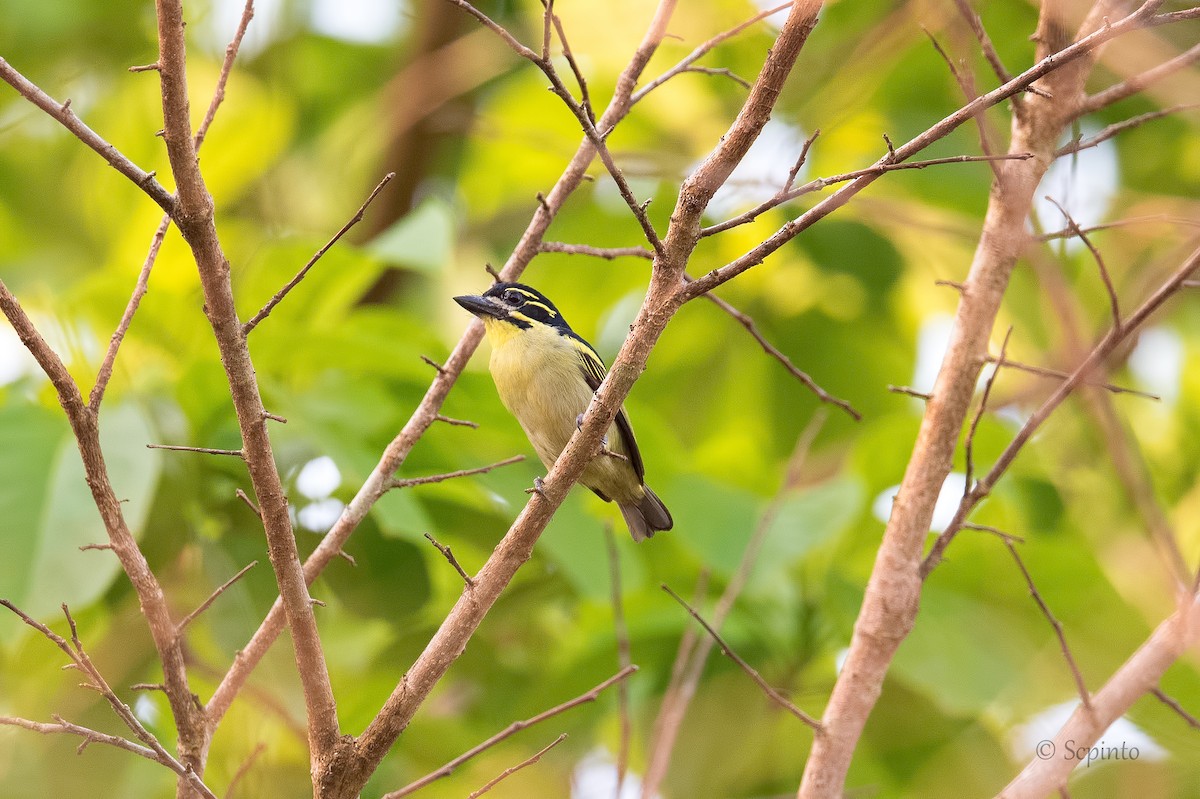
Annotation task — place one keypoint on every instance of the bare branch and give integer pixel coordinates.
(910, 392)
(1134, 85)
(624, 658)
(987, 392)
(985, 42)
(1098, 353)
(1078, 144)
(771, 693)
(231, 51)
(692, 656)
(196, 221)
(1161, 696)
(397, 451)
(95, 680)
(685, 677)
(1058, 374)
(607, 253)
(1045, 66)
(1139, 675)
(188, 619)
(63, 114)
(1080, 685)
(879, 168)
(437, 478)
(446, 553)
(65, 727)
(456, 422)
(529, 761)
(139, 290)
(738, 79)
(236, 453)
(1067, 233)
(1108, 284)
(704, 49)
(244, 497)
(295, 281)
(510, 730)
(244, 769)
(747, 322)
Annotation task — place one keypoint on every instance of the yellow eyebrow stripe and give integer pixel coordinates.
(541, 305)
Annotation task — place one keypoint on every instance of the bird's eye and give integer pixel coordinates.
(512, 298)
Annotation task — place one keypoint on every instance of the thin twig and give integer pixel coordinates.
(624, 658)
(1161, 696)
(975, 22)
(63, 726)
(1137, 83)
(681, 687)
(689, 666)
(88, 547)
(1078, 377)
(738, 79)
(456, 422)
(449, 556)
(1055, 623)
(295, 281)
(139, 290)
(188, 619)
(771, 693)
(874, 170)
(63, 114)
(436, 366)
(1058, 374)
(237, 453)
(95, 680)
(910, 392)
(244, 769)
(607, 253)
(244, 497)
(747, 322)
(1108, 284)
(231, 51)
(585, 99)
(508, 772)
(969, 446)
(508, 731)
(704, 49)
(996, 531)
(1078, 144)
(1067, 233)
(437, 478)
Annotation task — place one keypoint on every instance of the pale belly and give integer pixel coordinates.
(550, 388)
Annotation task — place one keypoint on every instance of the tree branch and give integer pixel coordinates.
(291, 284)
(529, 761)
(509, 731)
(766, 687)
(892, 593)
(394, 455)
(63, 114)
(194, 217)
(1137, 676)
(83, 663)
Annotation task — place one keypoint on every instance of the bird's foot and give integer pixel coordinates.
(603, 439)
(539, 488)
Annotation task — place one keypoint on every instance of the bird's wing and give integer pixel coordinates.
(593, 370)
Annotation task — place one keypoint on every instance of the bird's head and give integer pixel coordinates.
(513, 304)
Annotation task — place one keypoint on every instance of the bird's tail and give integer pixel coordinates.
(647, 516)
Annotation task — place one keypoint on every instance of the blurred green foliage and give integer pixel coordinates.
(310, 124)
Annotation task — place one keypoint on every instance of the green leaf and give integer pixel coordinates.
(50, 509)
(421, 240)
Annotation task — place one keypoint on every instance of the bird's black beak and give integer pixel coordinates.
(482, 306)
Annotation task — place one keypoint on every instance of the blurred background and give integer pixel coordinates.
(328, 96)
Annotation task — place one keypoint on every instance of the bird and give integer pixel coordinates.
(546, 375)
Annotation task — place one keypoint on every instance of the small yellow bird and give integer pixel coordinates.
(546, 376)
